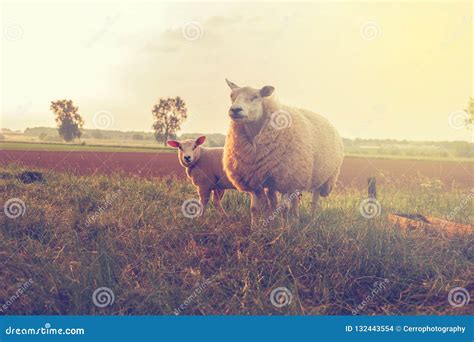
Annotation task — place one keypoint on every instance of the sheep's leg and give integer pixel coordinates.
(294, 204)
(218, 194)
(314, 202)
(204, 196)
(257, 205)
(272, 199)
(286, 206)
(290, 203)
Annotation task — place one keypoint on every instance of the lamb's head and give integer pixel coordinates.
(189, 150)
(247, 102)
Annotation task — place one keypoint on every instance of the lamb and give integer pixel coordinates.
(284, 149)
(204, 169)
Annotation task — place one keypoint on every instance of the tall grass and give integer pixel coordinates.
(130, 235)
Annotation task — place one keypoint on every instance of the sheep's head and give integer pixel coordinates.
(189, 150)
(247, 102)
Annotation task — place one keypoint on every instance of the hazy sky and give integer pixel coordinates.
(376, 70)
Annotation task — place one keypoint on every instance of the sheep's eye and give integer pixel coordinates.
(254, 98)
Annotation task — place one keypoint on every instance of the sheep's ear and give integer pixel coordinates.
(266, 91)
(173, 143)
(200, 140)
(232, 85)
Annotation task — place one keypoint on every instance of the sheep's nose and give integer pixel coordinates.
(187, 158)
(235, 111)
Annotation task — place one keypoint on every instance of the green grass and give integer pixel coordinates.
(31, 146)
(154, 258)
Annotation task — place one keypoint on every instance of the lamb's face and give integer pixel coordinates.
(247, 102)
(189, 151)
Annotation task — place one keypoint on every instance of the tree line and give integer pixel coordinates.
(168, 116)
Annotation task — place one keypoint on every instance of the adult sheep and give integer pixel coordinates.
(285, 149)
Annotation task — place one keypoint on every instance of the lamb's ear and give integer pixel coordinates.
(266, 91)
(200, 140)
(232, 85)
(173, 143)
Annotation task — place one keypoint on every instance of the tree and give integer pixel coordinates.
(169, 114)
(68, 119)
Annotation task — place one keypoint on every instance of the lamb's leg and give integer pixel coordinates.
(257, 205)
(314, 201)
(218, 194)
(204, 196)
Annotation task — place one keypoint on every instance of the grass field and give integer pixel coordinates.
(78, 234)
(153, 148)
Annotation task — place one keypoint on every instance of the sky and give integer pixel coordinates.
(400, 70)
